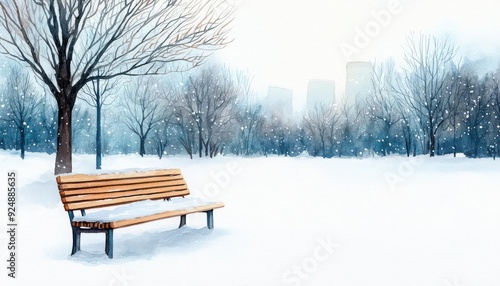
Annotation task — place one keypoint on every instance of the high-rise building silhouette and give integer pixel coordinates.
(320, 92)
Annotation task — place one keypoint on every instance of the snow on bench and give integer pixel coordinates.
(134, 197)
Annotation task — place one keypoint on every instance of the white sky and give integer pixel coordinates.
(288, 42)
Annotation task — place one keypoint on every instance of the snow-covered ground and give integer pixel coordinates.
(287, 221)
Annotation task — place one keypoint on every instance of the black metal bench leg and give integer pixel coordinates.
(109, 243)
(210, 219)
(183, 221)
(76, 241)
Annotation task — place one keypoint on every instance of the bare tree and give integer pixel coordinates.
(424, 85)
(383, 104)
(166, 129)
(408, 128)
(249, 117)
(181, 119)
(66, 42)
(275, 135)
(98, 94)
(350, 116)
(459, 85)
(475, 116)
(162, 136)
(209, 99)
(142, 112)
(495, 104)
(186, 132)
(320, 124)
(248, 114)
(22, 102)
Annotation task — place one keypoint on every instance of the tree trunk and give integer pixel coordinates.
(142, 149)
(213, 150)
(159, 150)
(407, 137)
(64, 158)
(497, 147)
(23, 140)
(432, 144)
(432, 136)
(208, 146)
(407, 147)
(323, 147)
(495, 150)
(98, 146)
(98, 135)
(200, 143)
(454, 137)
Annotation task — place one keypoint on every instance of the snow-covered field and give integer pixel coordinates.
(287, 221)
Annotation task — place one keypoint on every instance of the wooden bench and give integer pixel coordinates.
(125, 199)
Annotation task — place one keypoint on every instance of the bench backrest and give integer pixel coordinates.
(80, 191)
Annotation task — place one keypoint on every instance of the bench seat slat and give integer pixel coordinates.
(120, 201)
(67, 187)
(144, 211)
(121, 188)
(75, 178)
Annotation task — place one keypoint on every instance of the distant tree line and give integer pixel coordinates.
(432, 104)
